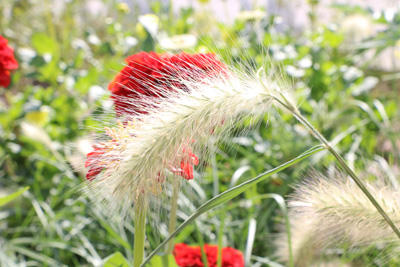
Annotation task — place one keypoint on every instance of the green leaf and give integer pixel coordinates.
(116, 260)
(231, 193)
(282, 205)
(201, 243)
(83, 83)
(44, 44)
(158, 261)
(11, 197)
(115, 235)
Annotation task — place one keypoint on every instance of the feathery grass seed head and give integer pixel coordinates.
(332, 213)
(163, 130)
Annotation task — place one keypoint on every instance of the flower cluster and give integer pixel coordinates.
(187, 256)
(7, 62)
(186, 160)
(151, 75)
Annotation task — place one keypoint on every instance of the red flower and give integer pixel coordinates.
(187, 256)
(186, 169)
(92, 162)
(152, 75)
(7, 62)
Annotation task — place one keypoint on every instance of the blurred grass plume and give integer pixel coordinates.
(329, 214)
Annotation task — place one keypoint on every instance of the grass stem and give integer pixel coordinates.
(341, 161)
(202, 248)
(220, 237)
(165, 260)
(172, 216)
(140, 233)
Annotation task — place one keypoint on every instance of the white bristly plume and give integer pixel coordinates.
(331, 214)
(146, 146)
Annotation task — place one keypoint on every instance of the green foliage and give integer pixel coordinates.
(231, 193)
(159, 261)
(67, 58)
(116, 260)
(11, 197)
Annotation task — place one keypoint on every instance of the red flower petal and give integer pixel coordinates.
(150, 74)
(187, 170)
(187, 256)
(7, 62)
(5, 78)
(93, 172)
(92, 161)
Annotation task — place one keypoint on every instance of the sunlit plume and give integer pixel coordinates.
(162, 130)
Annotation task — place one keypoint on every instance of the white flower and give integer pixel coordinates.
(356, 28)
(247, 15)
(37, 133)
(179, 42)
(150, 23)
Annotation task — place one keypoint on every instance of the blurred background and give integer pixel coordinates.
(342, 58)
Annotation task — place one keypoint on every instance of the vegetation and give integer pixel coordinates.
(58, 103)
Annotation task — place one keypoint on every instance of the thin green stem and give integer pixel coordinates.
(140, 233)
(202, 249)
(165, 260)
(220, 236)
(172, 216)
(341, 161)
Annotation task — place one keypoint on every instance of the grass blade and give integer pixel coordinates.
(231, 193)
(282, 205)
(250, 240)
(11, 197)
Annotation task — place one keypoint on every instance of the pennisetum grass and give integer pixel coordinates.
(146, 148)
(161, 136)
(343, 164)
(157, 138)
(329, 213)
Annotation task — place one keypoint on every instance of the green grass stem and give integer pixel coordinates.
(341, 161)
(139, 234)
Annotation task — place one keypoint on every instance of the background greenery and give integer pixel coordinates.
(50, 113)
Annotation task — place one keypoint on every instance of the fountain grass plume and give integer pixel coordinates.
(331, 213)
(161, 136)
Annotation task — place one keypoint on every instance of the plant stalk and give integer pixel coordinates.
(164, 259)
(341, 161)
(172, 216)
(140, 232)
(204, 257)
(220, 236)
(172, 222)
